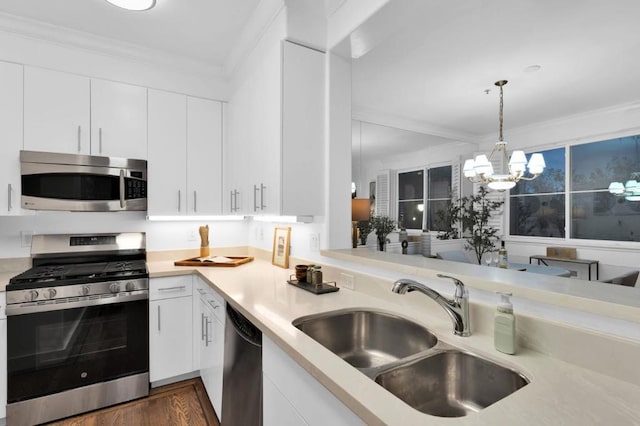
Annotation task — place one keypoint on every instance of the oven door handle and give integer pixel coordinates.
(122, 189)
(75, 302)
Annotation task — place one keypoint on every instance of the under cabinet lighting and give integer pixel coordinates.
(194, 218)
(137, 5)
(284, 219)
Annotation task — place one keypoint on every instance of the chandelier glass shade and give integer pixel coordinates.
(480, 169)
(629, 190)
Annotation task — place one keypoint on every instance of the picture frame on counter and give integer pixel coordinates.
(281, 244)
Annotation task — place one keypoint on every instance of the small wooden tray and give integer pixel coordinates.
(237, 260)
(316, 289)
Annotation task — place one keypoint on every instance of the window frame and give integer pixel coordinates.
(575, 242)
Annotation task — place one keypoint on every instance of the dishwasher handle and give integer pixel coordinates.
(243, 327)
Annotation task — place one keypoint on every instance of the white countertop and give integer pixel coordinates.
(559, 393)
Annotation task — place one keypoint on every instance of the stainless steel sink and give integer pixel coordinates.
(367, 339)
(451, 383)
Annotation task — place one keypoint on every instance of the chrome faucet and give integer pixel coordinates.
(458, 308)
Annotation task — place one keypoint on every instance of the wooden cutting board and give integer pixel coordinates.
(195, 261)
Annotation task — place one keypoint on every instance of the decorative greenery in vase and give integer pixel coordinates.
(383, 225)
(364, 227)
(474, 214)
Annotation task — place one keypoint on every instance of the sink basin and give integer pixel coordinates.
(451, 383)
(367, 339)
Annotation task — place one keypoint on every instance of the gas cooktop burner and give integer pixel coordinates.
(59, 275)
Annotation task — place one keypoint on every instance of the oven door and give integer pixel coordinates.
(54, 351)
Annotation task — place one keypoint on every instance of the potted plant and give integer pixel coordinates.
(364, 228)
(383, 226)
(474, 214)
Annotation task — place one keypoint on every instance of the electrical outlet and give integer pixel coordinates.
(25, 238)
(261, 234)
(347, 281)
(192, 235)
(314, 242)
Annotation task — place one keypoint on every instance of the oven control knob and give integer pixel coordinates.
(85, 290)
(50, 293)
(31, 296)
(114, 288)
(130, 286)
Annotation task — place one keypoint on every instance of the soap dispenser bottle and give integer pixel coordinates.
(505, 326)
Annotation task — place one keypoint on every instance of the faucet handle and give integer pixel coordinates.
(461, 290)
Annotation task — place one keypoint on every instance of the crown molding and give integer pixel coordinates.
(587, 116)
(54, 34)
(255, 28)
(378, 117)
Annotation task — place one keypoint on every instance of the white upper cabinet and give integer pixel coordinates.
(275, 144)
(56, 111)
(11, 136)
(167, 160)
(118, 119)
(204, 156)
(72, 114)
(185, 155)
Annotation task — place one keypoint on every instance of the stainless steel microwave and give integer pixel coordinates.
(70, 182)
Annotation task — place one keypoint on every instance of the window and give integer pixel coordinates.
(411, 199)
(537, 207)
(438, 198)
(595, 213)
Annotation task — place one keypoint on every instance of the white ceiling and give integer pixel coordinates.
(431, 61)
(202, 30)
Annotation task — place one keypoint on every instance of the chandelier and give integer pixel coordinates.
(481, 170)
(630, 190)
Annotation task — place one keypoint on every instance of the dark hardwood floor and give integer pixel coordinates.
(183, 403)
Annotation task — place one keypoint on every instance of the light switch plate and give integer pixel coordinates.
(25, 238)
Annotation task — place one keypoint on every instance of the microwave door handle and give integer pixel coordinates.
(121, 189)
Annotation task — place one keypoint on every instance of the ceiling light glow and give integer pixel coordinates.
(137, 5)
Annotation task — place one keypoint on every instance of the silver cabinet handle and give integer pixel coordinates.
(235, 200)
(79, 138)
(208, 324)
(122, 189)
(212, 304)
(231, 201)
(255, 205)
(158, 318)
(179, 200)
(100, 140)
(202, 326)
(262, 188)
(179, 287)
(195, 209)
(9, 198)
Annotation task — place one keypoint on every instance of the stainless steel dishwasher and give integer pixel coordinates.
(242, 379)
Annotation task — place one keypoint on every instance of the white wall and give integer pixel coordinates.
(160, 235)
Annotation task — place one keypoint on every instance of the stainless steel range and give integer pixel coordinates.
(77, 327)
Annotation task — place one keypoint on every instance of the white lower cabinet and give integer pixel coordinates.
(170, 327)
(211, 336)
(293, 397)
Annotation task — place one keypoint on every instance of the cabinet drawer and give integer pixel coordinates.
(169, 287)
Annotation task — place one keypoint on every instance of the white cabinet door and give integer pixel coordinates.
(313, 402)
(118, 119)
(11, 137)
(56, 111)
(204, 157)
(303, 121)
(170, 338)
(167, 156)
(212, 347)
(277, 410)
